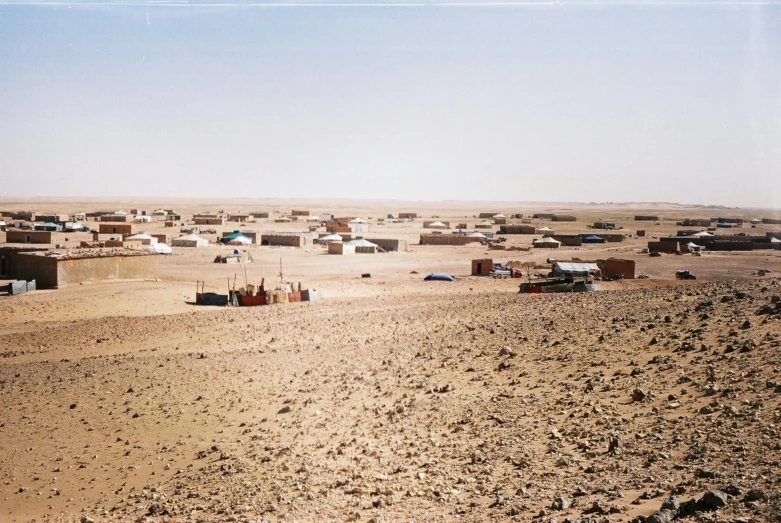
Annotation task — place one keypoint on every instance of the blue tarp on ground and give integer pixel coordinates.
(439, 277)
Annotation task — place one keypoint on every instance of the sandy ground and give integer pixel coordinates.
(394, 399)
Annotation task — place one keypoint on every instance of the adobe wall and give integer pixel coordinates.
(569, 240)
(9, 259)
(517, 229)
(116, 228)
(407, 215)
(444, 239)
(389, 245)
(107, 268)
(487, 214)
(285, 240)
(614, 267)
(484, 266)
(668, 247)
(17, 236)
(42, 269)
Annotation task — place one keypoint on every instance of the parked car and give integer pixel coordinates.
(500, 273)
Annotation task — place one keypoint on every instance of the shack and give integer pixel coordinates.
(482, 267)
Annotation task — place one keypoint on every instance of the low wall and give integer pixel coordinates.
(18, 236)
(106, 268)
(389, 245)
(42, 269)
(517, 229)
(285, 240)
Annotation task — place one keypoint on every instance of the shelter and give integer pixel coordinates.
(328, 238)
(142, 218)
(546, 243)
(159, 248)
(593, 238)
(363, 246)
(702, 234)
(340, 248)
(235, 238)
(190, 240)
(48, 226)
(144, 238)
(484, 225)
(576, 270)
(358, 225)
(482, 267)
(159, 212)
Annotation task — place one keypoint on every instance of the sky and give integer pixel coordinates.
(562, 101)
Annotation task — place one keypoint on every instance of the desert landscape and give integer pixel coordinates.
(392, 398)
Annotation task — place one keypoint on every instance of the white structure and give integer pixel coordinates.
(142, 219)
(145, 238)
(159, 212)
(329, 238)
(358, 225)
(190, 240)
(436, 225)
(159, 248)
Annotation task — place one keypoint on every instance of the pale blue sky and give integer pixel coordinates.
(572, 102)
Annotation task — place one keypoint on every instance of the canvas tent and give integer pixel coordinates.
(329, 238)
(702, 234)
(235, 238)
(190, 240)
(159, 248)
(142, 219)
(363, 246)
(144, 238)
(575, 269)
(546, 243)
(437, 225)
(159, 212)
(593, 238)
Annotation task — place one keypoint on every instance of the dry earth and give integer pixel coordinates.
(394, 399)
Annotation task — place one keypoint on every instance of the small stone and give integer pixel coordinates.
(638, 395)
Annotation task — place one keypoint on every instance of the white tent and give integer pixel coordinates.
(544, 229)
(159, 248)
(190, 240)
(360, 242)
(145, 238)
(329, 238)
(774, 240)
(119, 212)
(358, 220)
(476, 235)
(547, 242)
(159, 212)
(240, 240)
(437, 225)
(142, 219)
(500, 215)
(702, 234)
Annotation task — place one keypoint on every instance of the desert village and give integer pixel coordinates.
(294, 360)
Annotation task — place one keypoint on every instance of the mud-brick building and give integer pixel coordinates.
(9, 259)
(40, 237)
(282, 239)
(124, 229)
(53, 270)
(482, 267)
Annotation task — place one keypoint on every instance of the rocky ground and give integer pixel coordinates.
(650, 404)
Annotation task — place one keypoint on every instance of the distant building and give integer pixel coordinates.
(563, 218)
(646, 218)
(123, 229)
(40, 237)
